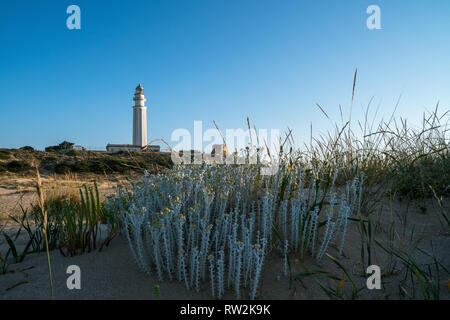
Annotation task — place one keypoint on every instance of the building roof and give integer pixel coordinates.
(122, 145)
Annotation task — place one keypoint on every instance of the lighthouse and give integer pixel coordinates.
(140, 142)
(139, 118)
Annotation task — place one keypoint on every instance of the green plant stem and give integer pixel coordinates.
(49, 264)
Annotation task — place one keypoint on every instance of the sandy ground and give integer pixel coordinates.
(113, 274)
(11, 199)
(21, 191)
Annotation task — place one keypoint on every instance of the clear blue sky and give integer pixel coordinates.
(210, 60)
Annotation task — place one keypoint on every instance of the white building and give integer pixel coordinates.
(139, 127)
(219, 150)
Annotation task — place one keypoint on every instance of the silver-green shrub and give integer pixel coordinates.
(217, 223)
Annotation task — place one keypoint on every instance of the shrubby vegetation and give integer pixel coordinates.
(18, 166)
(5, 154)
(71, 222)
(65, 145)
(218, 223)
(419, 179)
(27, 148)
(74, 153)
(84, 162)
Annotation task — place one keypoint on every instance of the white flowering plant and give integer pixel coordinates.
(216, 223)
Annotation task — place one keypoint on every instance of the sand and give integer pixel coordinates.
(18, 192)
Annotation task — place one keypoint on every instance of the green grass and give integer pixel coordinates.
(395, 157)
(423, 278)
(77, 222)
(72, 223)
(157, 292)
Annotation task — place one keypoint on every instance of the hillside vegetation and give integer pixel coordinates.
(23, 160)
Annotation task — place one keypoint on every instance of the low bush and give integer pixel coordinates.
(27, 148)
(162, 160)
(116, 165)
(74, 153)
(62, 146)
(98, 167)
(18, 166)
(421, 178)
(5, 154)
(81, 166)
(128, 153)
(52, 149)
(50, 158)
(64, 167)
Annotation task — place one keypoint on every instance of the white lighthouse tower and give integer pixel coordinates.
(140, 142)
(139, 118)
